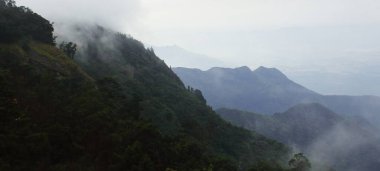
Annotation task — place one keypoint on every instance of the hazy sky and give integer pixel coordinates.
(330, 46)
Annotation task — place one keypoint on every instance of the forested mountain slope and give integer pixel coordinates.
(116, 106)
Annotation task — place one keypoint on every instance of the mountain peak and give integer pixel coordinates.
(242, 71)
(269, 72)
(243, 68)
(213, 69)
(238, 69)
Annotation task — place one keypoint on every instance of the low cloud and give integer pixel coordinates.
(351, 148)
(120, 15)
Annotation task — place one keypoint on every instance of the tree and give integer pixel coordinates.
(266, 166)
(7, 3)
(69, 48)
(199, 95)
(299, 163)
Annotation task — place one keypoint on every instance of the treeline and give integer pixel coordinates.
(21, 23)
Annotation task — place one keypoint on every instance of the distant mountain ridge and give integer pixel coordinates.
(268, 90)
(241, 88)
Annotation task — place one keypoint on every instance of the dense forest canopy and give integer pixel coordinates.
(20, 23)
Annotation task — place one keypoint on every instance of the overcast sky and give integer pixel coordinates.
(330, 46)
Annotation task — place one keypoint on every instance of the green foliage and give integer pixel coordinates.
(299, 163)
(17, 23)
(59, 119)
(122, 108)
(267, 166)
(197, 93)
(7, 3)
(69, 48)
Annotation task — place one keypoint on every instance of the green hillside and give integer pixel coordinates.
(115, 107)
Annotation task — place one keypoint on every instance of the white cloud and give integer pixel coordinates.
(256, 14)
(120, 15)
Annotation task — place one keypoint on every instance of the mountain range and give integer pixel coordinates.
(337, 132)
(268, 90)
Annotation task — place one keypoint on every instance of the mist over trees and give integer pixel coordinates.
(299, 162)
(329, 140)
(69, 48)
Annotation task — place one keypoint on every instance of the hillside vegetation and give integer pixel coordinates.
(115, 107)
